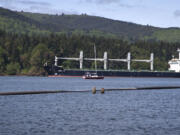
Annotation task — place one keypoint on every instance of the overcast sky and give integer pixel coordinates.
(161, 13)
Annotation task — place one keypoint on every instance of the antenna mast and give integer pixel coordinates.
(95, 57)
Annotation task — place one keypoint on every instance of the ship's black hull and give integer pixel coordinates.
(79, 73)
(57, 71)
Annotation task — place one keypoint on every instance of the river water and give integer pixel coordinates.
(145, 112)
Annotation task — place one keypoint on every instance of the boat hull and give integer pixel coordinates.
(98, 77)
(80, 73)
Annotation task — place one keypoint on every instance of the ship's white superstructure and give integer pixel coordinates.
(174, 63)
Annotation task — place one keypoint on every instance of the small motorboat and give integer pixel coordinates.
(89, 75)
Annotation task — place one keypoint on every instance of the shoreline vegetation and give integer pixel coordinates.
(26, 55)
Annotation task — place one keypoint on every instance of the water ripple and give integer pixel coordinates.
(125, 112)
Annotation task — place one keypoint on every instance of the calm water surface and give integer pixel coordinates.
(146, 112)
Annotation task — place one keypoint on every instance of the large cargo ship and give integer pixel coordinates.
(57, 71)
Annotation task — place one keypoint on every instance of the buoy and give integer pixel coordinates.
(94, 90)
(102, 90)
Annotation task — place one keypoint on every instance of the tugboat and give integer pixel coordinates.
(89, 75)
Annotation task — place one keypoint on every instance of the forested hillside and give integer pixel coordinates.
(35, 23)
(24, 54)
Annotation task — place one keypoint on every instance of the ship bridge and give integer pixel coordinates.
(174, 63)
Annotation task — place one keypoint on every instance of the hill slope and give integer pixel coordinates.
(89, 23)
(23, 22)
(15, 22)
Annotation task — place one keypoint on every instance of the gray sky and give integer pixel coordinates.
(161, 13)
